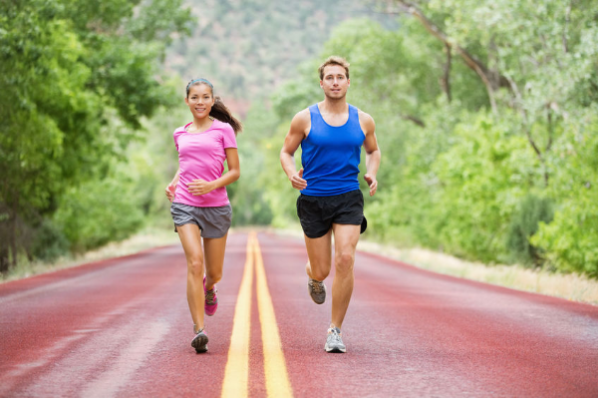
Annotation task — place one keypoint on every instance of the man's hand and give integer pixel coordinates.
(372, 182)
(200, 187)
(297, 180)
(170, 189)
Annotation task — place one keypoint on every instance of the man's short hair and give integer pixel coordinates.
(334, 60)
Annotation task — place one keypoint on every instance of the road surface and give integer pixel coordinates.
(121, 328)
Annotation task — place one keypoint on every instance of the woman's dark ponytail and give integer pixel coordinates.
(223, 114)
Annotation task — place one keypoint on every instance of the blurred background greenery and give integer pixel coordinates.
(486, 114)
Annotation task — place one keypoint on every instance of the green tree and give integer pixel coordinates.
(65, 66)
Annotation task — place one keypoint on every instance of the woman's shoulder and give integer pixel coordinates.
(223, 126)
(181, 129)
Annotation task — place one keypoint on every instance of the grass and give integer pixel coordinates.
(572, 287)
(569, 286)
(145, 239)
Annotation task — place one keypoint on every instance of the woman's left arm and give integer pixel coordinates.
(200, 187)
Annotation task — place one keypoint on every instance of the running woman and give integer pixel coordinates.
(331, 134)
(200, 205)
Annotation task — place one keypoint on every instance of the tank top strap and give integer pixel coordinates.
(314, 111)
(354, 118)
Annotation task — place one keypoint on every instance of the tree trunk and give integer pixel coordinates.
(446, 78)
(4, 260)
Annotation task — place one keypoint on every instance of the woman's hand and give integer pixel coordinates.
(170, 189)
(200, 187)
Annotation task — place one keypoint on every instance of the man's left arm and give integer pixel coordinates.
(372, 151)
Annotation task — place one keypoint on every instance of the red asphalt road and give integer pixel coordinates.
(121, 328)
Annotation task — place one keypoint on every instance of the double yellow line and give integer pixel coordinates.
(236, 374)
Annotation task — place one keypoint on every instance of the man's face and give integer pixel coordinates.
(335, 83)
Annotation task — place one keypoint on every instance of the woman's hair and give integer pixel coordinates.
(219, 110)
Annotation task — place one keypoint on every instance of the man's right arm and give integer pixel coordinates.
(297, 131)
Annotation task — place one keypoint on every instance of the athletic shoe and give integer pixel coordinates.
(200, 342)
(334, 341)
(317, 290)
(211, 300)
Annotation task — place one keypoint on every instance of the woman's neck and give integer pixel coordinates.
(201, 125)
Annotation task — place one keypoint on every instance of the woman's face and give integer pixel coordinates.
(200, 100)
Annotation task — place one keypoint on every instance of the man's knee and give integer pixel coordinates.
(344, 262)
(320, 273)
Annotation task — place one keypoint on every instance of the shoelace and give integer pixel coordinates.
(317, 286)
(335, 336)
(210, 296)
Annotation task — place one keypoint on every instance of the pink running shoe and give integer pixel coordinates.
(211, 303)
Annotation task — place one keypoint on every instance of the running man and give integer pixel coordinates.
(331, 134)
(200, 206)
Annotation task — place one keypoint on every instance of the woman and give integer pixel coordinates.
(200, 205)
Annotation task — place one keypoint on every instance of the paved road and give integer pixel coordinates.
(120, 328)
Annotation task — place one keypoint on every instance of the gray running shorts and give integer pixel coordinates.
(213, 222)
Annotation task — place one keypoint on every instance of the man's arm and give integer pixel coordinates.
(297, 132)
(372, 151)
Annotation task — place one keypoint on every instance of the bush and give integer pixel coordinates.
(49, 242)
(99, 212)
(524, 224)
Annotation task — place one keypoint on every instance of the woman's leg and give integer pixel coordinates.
(190, 236)
(214, 248)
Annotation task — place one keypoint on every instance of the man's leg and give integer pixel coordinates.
(346, 237)
(319, 252)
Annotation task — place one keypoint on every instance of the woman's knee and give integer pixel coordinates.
(214, 276)
(195, 267)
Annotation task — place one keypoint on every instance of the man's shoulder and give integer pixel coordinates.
(302, 117)
(364, 115)
(366, 121)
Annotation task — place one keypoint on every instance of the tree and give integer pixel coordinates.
(65, 65)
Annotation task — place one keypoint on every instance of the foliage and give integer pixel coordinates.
(49, 242)
(65, 66)
(470, 166)
(524, 224)
(570, 240)
(96, 213)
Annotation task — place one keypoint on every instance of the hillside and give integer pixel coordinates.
(247, 48)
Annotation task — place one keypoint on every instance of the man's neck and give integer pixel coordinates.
(334, 106)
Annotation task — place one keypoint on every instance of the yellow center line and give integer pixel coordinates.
(236, 374)
(275, 369)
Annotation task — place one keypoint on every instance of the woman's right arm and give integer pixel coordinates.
(170, 189)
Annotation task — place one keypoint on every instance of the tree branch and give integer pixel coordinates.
(527, 129)
(469, 59)
(446, 83)
(550, 126)
(414, 119)
(566, 28)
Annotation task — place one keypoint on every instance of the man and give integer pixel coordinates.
(331, 134)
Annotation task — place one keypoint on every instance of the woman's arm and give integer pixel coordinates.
(170, 189)
(200, 186)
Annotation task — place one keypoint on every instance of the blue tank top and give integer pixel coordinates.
(331, 155)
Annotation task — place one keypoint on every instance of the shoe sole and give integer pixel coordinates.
(200, 344)
(334, 349)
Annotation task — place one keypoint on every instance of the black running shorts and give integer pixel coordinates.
(317, 214)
